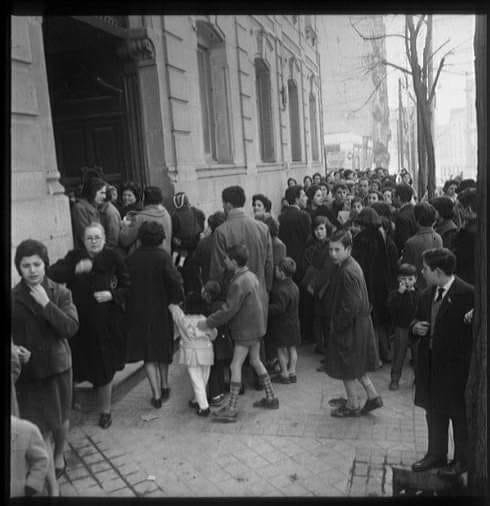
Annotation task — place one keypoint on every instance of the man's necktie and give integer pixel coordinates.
(440, 293)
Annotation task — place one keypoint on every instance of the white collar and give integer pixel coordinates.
(446, 287)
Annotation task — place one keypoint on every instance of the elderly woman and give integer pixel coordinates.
(43, 319)
(261, 206)
(155, 283)
(99, 281)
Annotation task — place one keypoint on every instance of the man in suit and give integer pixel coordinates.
(443, 360)
(405, 224)
(295, 227)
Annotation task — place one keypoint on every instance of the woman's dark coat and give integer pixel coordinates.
(98, 350)
(44, 331)
(350, 341)
(155, 283)
(377, 257)
(441, 387)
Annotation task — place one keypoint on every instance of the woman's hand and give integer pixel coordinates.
(421, 328)
(84, 265)
(202, 325)
(103, 296)
(24, 354)
(39, 294)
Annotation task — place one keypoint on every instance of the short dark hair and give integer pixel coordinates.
(444, 206)
(151, 233)
(375, 181)
(363, 178)
(216, 219)
(383, 209)
(213, 288)
(440, 257)
(342, 236)
(316, 174)
(404, 192)
(348, 172)
(307, 177)
(343, 186)
(448, 183)
(425, 214)
(321, 220)
(91, 187)
(133, 188)
(152, 195)
(267, 203)
(357, 199)
(292, 193)
(291, 179)
(464, 184)
(239, 253)
(310, 193)
(379, 194)
(273, 225)
(28, 248)
(407, 270)
(234, 195)
(368, 217)
(288, 266)
(467, 198)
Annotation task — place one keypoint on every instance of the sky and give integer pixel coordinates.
(459, 29)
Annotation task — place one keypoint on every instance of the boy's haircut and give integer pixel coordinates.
(316, 174)
(152, 195)
(273, 225)
(216, 219)
(293, 193)
(342, 236)
(213, 288)
(448, 183)
(234, 195)
(375, 180)
(465, 184)
(383, 209)
(407, 270)
(440, 257)
(307, 177)
(291, 179)
(348, 172)
(151, 233)
(378, 193)
(425, 214)
(444, 206)
(239, 253)
(467, 198)
(355, 200)
(320, 220)
(265, 201)
(343, 186)
(368, 217)
(404, 192)
(288, 266)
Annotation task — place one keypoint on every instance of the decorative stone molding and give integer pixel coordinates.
(294, 68)
(265, 45)
(138, 49)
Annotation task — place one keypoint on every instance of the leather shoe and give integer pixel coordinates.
(428, 462)
(371, 404)
(105, 420)
(394, 385)
(452, 470)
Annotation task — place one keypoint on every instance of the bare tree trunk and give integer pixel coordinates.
(421, 152)
(476, 388)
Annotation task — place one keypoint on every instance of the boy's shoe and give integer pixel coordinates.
(165, 394)
(226, 414)
(193, 405)
(267, 403)
(394, 385)
(203, 412)
(105, 420)
(281, 379)
(345, 412)
(217, 400)
(337, 402)
(371, 404)
(156, 403)
(293, 378)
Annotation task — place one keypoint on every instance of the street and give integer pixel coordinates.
(298, 450)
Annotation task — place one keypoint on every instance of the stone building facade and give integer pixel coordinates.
(188, 103)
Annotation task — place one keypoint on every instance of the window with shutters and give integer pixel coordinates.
(294, 125)
(214, 95)
(264, 111)
(313, 129)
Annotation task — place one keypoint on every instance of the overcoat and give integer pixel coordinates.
(294, 230)
(283, 321)
(441, 387)
(83, 213)
(98, 349)
(350, 343)
(405, 225)
(240, 228)
(155, 283)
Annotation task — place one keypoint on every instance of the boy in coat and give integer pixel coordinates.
(443, 360)
(244, 312)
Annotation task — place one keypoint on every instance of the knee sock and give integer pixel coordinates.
(234, 391)
(266, 380)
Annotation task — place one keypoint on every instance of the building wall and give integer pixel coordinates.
(171, 115)
(40, 209)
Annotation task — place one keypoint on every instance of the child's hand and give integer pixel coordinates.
(402, 288)
(468, 317)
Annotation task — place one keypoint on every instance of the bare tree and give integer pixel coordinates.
(417, 37)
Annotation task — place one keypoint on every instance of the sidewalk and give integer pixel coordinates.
(298, 450)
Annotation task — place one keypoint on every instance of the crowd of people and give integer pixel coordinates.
(354, 264)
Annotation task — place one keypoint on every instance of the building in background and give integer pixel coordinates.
(354, 88)
(187, 103)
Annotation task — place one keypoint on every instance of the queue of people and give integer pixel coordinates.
(350, 265)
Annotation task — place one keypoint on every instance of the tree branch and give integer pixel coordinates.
(439, 69)
(374, 37)
(369, 98)
(419, 24)
(401, 69)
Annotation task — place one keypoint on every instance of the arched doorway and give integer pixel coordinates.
(88, 103)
